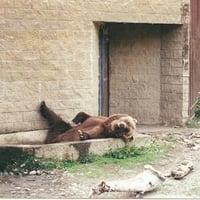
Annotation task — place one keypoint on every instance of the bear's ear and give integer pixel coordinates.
(135, 120)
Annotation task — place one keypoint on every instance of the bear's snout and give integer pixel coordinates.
(121, 125)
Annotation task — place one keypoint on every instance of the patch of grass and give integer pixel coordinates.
(195, 121)
(126, 157)
(52, 164)
(93, 165)
(16, 161)
(130, 155)
(197, 109)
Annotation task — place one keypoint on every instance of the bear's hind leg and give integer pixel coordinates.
(56, 124)
(80, 117)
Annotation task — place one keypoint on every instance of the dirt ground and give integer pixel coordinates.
(65, 184)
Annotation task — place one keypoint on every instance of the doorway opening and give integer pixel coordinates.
(140, 74)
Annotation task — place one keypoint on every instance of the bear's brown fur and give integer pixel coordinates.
(87, 127)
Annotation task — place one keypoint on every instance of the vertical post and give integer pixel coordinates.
(103, 70)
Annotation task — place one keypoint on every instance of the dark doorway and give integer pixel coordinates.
(103, 70)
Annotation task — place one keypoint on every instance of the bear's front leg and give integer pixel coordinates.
(83, 135)
(127, 139)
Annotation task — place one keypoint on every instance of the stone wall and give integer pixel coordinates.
(175, 72)
(135, 71)
(49, 51)
(171, 74)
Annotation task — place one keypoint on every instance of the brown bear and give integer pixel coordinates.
(87, 127)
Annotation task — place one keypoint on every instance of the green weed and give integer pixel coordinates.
(16, 161)
(195, 121)
(125, 157)
(192, 123)
(197, 109)
(130, 155)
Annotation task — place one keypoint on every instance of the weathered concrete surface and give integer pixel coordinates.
(30, 137)
(74, 150)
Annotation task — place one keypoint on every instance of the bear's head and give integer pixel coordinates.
(121, 126)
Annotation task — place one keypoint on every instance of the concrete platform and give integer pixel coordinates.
(70, 151)
(33, 141)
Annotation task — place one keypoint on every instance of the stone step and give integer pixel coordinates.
(72, 151)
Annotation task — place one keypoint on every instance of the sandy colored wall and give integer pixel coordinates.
(49, 51)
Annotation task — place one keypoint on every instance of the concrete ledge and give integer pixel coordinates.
(28, 137)
(72, 151)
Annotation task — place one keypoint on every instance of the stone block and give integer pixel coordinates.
(70, 151)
